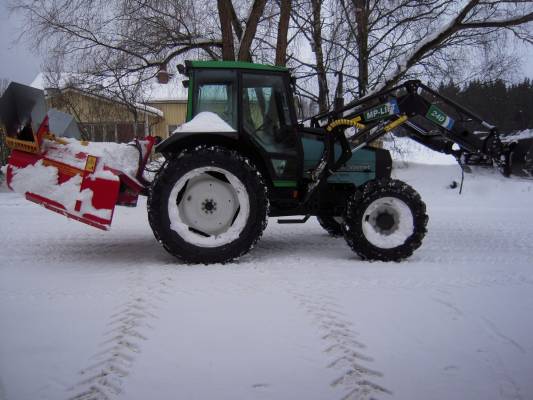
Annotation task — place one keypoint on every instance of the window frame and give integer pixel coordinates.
(201, 77)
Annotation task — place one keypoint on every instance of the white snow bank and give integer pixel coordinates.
(205, 122)
(484, 188)
(404, 149)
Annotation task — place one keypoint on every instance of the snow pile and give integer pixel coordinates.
(42, 180)
(482, 186)
(405, 150)
(525, 134)
(36, 178)
(205, 122)
(119, 156)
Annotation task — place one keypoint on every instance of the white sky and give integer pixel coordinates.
(19, 63)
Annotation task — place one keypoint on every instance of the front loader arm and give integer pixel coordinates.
(429, 118)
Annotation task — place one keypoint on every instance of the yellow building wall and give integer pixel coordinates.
(175, 114)
(91, 109)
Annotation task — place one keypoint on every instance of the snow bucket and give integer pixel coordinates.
(78, 179)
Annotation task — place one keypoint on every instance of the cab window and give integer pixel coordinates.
(266, 115)
(216, 93)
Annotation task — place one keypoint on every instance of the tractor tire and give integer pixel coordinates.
(385, 220)
(208, 205)
(332, 225)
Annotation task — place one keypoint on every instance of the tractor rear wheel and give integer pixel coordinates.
(208, 205)
(385, 220)
(332, 225)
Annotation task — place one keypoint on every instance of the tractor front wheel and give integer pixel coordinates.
(208, 205)
(385, 220)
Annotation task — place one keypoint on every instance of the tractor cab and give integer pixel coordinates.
(256, 102)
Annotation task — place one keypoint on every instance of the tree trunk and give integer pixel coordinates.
(225, 15)
(319, 55)
(283, 28)
(251, 29)
(361, 19)
(339, 91)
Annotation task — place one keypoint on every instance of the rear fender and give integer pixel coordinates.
(176, 143)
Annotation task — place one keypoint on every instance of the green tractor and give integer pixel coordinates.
(211, 199)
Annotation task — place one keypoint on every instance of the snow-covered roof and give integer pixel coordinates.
(152, 90)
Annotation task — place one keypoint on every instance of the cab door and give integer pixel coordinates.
(269, 123)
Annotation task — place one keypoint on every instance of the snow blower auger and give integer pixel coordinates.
(243, 156)
(79, 179)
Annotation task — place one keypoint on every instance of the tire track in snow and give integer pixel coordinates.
(343, 348)
(122, 342)
(492, 328)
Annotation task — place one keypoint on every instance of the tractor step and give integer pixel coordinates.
(294, 220)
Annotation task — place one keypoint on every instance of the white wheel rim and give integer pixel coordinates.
(400, 222)
(208, 210)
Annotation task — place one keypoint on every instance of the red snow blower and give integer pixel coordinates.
(81, 180)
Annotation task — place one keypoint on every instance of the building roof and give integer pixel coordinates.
(152, 91)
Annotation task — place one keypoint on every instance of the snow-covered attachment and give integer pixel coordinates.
(521, 153)
(81, 180)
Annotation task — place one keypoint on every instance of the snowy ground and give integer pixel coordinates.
(87, 314)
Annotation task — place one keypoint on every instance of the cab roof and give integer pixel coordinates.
(233, 65)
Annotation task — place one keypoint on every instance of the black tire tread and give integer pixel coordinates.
(196, 157)
(356, 205)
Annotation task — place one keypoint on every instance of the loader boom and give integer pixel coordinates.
(430, 119)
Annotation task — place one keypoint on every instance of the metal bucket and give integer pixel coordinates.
(22, 107)
(23, 110)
